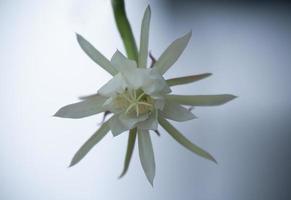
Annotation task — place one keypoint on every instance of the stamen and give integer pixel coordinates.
(146, 104)
(137, 110)
(140, 96)
(130, 107)
(126, 97)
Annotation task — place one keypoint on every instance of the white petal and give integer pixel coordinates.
(187, 79)
(90, 106)
(116, 126)
(133, 76)
(172, 53)
(144, 39)
(176, 112)
(122, 63)
(110, 105)
(114, 86)
(151, 123)
(90, 143)
(146, 154)
(155, 84)
(183, 140)
(131, 121)
(159, 103)
(95, 55)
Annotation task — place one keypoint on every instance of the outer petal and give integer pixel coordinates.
(176, 112)
(146, 155)
(201, 100)
(184, 141)
(129, 151)
(172, 53)
(187, 79)
(95, 55)
(93, 140)
(91, 106)
(116, 126)
(114, 86)
(144, 39)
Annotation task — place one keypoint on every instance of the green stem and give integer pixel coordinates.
(124, 29)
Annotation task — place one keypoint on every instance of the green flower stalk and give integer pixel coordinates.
(138, 98)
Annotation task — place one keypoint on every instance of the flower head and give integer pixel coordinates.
(138, 99)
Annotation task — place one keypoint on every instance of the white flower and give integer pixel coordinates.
(139, 99)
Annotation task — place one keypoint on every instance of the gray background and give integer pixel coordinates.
(245, 45)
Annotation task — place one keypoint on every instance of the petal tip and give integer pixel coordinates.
(72, 163)
(189, 34)
(232, 97)
(148, 9)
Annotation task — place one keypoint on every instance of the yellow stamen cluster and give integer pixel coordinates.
(134, 102)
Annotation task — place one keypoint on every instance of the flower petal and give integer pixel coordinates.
(172, 53)
(176, 112)
(151, 123)
(121, 63)
(184, 141)
(116, 126)
(93, 140)
(133, 76)
(146, 155)
(155, 84)
(131, 121)
(159, 102)
(114, 86)
(111, 105)
(144, 39)
(95, 55)
(91, 106)
(129, 151)
(187, 79)
(201, 100)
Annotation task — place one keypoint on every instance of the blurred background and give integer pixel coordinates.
(245, 44)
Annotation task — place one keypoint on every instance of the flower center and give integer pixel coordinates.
(135, 102)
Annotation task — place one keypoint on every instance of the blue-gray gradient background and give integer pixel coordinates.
(246, 45)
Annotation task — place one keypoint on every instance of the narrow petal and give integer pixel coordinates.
(84, 97)
(129, 151)
(144, 39)
(95, 55)
(201, 100)
(184, 141)
(116, 126)
(172, 53)
(146, 155)
(90, 106)
(187, 79)
(93, 140)
(176, 112)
